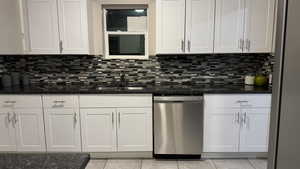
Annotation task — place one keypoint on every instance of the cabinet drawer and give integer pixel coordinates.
(21, 101)
(116, 100)
(60, 101)
(237, 100)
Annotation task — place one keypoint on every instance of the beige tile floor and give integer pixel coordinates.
(177, 164)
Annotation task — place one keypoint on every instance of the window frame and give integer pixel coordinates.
(107, 33)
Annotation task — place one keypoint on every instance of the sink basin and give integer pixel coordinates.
(134, 88)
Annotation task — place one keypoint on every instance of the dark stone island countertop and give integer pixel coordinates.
(44, 161)
(150, 89)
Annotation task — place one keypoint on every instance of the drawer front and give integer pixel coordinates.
(116, 100)
(237, 100)
(258, 100)
(21, 101)
(60, 101)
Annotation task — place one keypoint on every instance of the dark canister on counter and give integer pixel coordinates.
(6, 80)
(15, 76)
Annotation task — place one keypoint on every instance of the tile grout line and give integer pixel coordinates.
(251, 164)
(106, 161)
(214, 164)
(141, 163)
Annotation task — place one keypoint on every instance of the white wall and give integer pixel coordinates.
(10, 27)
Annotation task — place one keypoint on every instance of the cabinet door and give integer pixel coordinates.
(170, 18)
(62, 130)
(200, 26)
(221, 130)
(98, 126)
(255, 130)
(43, 27)
(73, 26)
(134, 129)
(259, 25)
(7, 131)
(30, 130)
(229, 26)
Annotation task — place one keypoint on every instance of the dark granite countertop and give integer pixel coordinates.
(44, 161)
(151, 89)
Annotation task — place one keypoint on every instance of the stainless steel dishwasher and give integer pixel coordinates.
(178, 126)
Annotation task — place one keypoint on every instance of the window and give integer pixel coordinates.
(126, 33)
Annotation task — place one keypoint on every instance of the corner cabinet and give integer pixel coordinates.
(56, 27)
(116, 123)
(184, 26)
(236, 123)
(244, 26)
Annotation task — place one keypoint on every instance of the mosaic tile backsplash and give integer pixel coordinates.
(179, 69)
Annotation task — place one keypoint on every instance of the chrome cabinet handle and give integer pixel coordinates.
(14, 120)
(112, 119)
(182, 46)
(242, 101)
(75, 117)
(11, 102)
(248, 44)
(8, 117)
(119, 119)
(244, 119)
(59, 101)
(236, 118)
(61, 46)
(189, 45)
(240, 44)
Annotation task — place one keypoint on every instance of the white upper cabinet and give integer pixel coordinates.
(259, 16)
(244, 26)
(11, 32)
(184, 26)
(56, 27)
(170, 26)
(229, 26)
(73, 26)
(200, 26)
(42, 21)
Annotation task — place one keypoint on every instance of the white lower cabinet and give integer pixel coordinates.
(243, 128)
(116, 128)
(8, 136)
(221, 131)
(21, 123)
(62, 130)
(134, 129)
(98, 126)
(254, 134)
(29, 126)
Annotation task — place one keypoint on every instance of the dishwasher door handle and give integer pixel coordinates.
(178, 99)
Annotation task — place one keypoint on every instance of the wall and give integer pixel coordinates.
(10, 34)
(182, 69)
